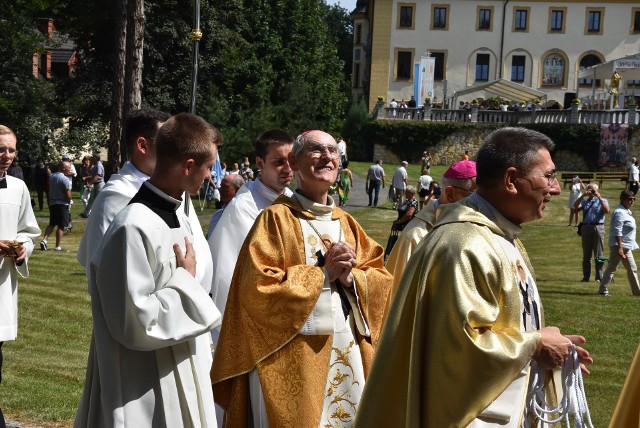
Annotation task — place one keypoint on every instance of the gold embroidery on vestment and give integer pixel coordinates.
(340, 386)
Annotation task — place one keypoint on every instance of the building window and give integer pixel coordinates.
(484, 18)
(440, 14)
(439, 68)
(356, 74)
(482, 67)
(357, 34)
(356, 54)
(553, 70)
(405, 16)
(595, 19)
(631, 83)
(588, 61)
(404, 64)
(556, 19)
(521, 19)
(635, 20)
(517, 68)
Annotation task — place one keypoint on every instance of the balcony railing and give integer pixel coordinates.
(572, 115)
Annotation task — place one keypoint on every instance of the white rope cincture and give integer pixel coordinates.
(573, 402)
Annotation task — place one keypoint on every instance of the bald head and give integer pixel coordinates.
(229, 186)
(310, 137)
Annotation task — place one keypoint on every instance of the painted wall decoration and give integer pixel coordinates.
(613, 145)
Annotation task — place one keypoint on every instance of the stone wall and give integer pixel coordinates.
(453, 147)
(444, 152)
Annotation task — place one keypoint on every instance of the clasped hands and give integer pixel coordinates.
(339, 259)
(13, 248)
(554, 348)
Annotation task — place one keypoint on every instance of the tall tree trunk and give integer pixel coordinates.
(134, 64)
(117, 99)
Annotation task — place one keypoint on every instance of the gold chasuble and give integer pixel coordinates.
(273, 293)
(454, 342)
(627, 411)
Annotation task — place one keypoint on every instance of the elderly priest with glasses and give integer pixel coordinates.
(305, 306)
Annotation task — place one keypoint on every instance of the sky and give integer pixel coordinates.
(347, 4)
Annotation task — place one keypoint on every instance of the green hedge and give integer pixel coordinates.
(408, 139)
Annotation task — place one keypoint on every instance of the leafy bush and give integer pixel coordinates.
(408, 139)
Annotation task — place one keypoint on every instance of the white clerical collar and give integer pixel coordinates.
(267, 191)
(163, 195)
(141, 176)
(321, 211)
(510, 229)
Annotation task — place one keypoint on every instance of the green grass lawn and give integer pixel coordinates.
(45, 367)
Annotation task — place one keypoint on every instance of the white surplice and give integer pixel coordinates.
(17, 222)
(233, 227)
(150, 355)
(115, 195)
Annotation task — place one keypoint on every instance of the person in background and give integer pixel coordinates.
(96, 183)
(229, 186)
(622, 242)
(575, 193)
(345, 181)
(424, 184)
(466, 155)
(41, 182)
(18, 229)
(85, 175)
(426, 162)
(375, 179)
(407, 210)
(59, 199)
(634, 176)
(399, 183)
(15, 170)
(72, 173)
(342, 146)
(593, 207)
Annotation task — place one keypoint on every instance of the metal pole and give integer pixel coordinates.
(196, 35)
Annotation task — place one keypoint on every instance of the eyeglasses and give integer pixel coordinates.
(317, 150)
(550, 176)
(631, 199)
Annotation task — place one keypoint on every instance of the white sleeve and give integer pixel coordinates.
(225, 243)
(139, 313)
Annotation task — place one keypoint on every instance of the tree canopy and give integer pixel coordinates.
(263, 64)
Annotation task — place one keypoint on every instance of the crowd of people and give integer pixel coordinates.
(286, 314)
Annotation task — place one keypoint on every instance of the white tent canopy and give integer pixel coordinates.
(505, 89)
(628, 67)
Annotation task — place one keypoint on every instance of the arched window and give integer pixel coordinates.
(553, 70)
(588, 61)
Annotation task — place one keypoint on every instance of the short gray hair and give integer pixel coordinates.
(505, 148)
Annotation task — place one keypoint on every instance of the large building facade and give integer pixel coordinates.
(539, 44)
